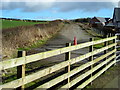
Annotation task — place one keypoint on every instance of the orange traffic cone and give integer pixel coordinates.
(75, 41)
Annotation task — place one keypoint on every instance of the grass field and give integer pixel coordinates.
(10, 24)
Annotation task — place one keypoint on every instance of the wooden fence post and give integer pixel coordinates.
(115, 47)
(67, 57)
(105, 44)
(91, 57)
(110, 35)
(21, 69)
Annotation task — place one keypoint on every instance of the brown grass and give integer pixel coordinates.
(19, 37)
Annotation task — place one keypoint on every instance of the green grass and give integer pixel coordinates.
(118, 49)
(87, 87)
(36, 44)
(11, 24)
(98, 46)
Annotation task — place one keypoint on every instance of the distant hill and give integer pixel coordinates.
(24, 20)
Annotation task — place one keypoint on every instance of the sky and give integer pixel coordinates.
(52, 9)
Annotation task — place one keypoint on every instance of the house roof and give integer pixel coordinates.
(101, 19)
(110, 24)
(116, 14)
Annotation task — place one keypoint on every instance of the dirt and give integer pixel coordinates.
(109, 80)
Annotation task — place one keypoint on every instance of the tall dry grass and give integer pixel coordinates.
(18, 37)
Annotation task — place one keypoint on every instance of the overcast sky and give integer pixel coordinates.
(56, 10)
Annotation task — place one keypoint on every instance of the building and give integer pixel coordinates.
(109, 24)
(98, 21)
(116, 19)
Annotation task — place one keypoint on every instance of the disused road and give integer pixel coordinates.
(66, 35)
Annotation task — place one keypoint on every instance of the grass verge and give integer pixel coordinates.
(36, 44)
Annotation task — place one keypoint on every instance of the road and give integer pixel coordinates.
(66, 35)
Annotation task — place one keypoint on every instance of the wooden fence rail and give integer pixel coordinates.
(21, 61)
(32, 58)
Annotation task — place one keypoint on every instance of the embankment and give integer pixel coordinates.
(23, 36)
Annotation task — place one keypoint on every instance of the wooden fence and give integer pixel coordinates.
(118, 47)
(96, 66)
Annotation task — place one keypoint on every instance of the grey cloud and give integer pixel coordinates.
(62, 6)
(84, 6)
(12, 5)
(25, 6)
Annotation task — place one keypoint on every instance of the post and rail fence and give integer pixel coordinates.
(118, 47)
(96, 66)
